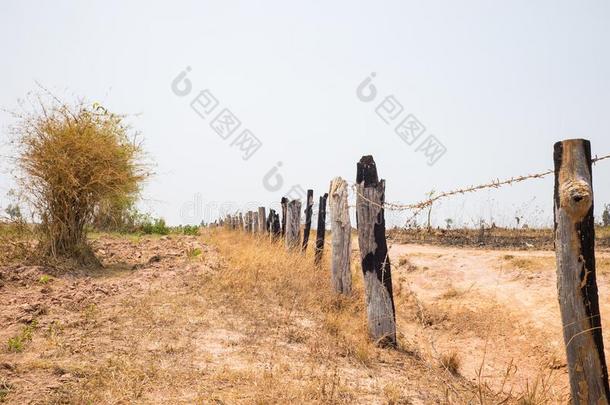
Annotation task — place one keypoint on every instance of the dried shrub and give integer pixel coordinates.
(451, 362)
(72, 160)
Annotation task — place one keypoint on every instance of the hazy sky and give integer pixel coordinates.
(496, 82)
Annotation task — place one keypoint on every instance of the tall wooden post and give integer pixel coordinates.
(308, 214)
(248, 221)
(341, 231)
(576, 280)
(374, 253)
(276, 227)
(254, 221)
(269, 220)
(284, 203)
(293, 224)
(321, 229)
(262, 224)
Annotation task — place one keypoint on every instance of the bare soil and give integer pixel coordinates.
(166, 321)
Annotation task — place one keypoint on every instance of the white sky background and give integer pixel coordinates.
(497, 82)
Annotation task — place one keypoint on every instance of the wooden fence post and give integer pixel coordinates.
(576, 280)
(248, 221)
(293, 224)
(308, 214)
(269, 221)
(321, 229)
(374, 253)
(262, 224)
(341, 231)
(276, 227)
(284, 203)
(254, 221)
(241, 222)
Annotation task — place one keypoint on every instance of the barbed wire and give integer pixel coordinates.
(421, 205)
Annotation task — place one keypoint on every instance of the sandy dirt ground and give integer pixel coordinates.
(497, 309)
(151, 328)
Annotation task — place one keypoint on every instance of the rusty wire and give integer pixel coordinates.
(421, 205)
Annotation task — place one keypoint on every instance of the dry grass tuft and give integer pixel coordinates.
(451, 362)
(452, 292)
(406, 263)
(540, 391)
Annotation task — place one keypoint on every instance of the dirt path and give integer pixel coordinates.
(497, 309)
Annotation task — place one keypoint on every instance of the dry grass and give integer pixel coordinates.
(405, 262)
(232, 318)
(72, 160)
(451, 362)
(260, 272)
(531, 263)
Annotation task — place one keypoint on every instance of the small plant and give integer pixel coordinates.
(193, 253)
(5, 389)
(190, 230)
(403, 261)
(449, 223)
(606, 215)
(14, 212)
(451, 292)
(16, 344)
(154, 226)
(451, 362)
(45, 279)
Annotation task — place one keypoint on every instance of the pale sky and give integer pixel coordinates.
(496, 82)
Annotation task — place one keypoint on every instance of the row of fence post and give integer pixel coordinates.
(371, 239)
(574, 247)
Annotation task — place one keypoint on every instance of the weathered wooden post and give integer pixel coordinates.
(284, 203)
(308, 214)
(241, 222)
(269, 222)
(276, 227)
(321, 229)
(293, 224)
(254, 221)
(262, 224)
(374, 253)
(248, 220)
(341, 231)
(576, 280)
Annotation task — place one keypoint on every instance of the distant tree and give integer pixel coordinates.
(606, 215)
(14, 212)
(449, 222)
